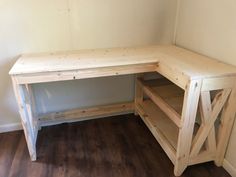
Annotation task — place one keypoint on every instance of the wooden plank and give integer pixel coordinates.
(226, 125)
(84, 59)
(189, 111)
(165, 132)
(205, 156)
(29, 107)
(205, 111)
(166, 108)
(138, 98)
(192, 64)
(175, 76)
(85, 113)
(204, 130)
(217, 83)
(32, 104)
(30, 135)
(85, 73)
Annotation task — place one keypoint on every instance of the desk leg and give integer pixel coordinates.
(29, 124)
(226, 125)
(138, 93)
(31, 106)
(190, 105)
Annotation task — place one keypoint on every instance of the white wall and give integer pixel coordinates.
(209, 27)
(205, 26)
(38, 26)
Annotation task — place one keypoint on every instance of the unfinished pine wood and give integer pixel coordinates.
(85, 113)
(84, 73)
(165, 132)
(179, 60)
(217, 83)
(202, 157)
(83, 59)
(163, 129)
(174, 75)
(205, 108)
(30, 132)
(138, 97)
(226, 124)
(161, 95)
(189, 112)
(192, 72)
(30, 108)
(189, 148)
(205, 129)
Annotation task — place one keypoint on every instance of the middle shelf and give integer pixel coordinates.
(161, 111)
(167, 96)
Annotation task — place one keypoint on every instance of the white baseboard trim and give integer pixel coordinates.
(10, 127)
(229, 168)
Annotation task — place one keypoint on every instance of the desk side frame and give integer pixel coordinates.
(196, 96)
(22, 84)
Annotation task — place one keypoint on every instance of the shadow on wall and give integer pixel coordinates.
(64, 95)
(8, 107)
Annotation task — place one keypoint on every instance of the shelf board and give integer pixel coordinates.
(167, 96)
(171, 94)
(158, 119)
(174, 97)
(163, 129)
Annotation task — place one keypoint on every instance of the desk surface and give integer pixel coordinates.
(189, 63)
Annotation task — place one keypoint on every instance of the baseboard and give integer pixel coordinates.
(10, 127)
(229, 168)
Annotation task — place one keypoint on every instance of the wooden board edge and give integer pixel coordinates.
(85, 73)
(202, 158)
(217, 83)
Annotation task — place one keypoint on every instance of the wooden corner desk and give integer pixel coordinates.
(192, 87)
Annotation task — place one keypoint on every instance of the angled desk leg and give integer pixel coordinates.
(29, 122)
(190, 105)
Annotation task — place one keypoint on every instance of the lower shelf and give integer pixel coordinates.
(163, 129)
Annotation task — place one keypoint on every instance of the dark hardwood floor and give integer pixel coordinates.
(118, 146)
